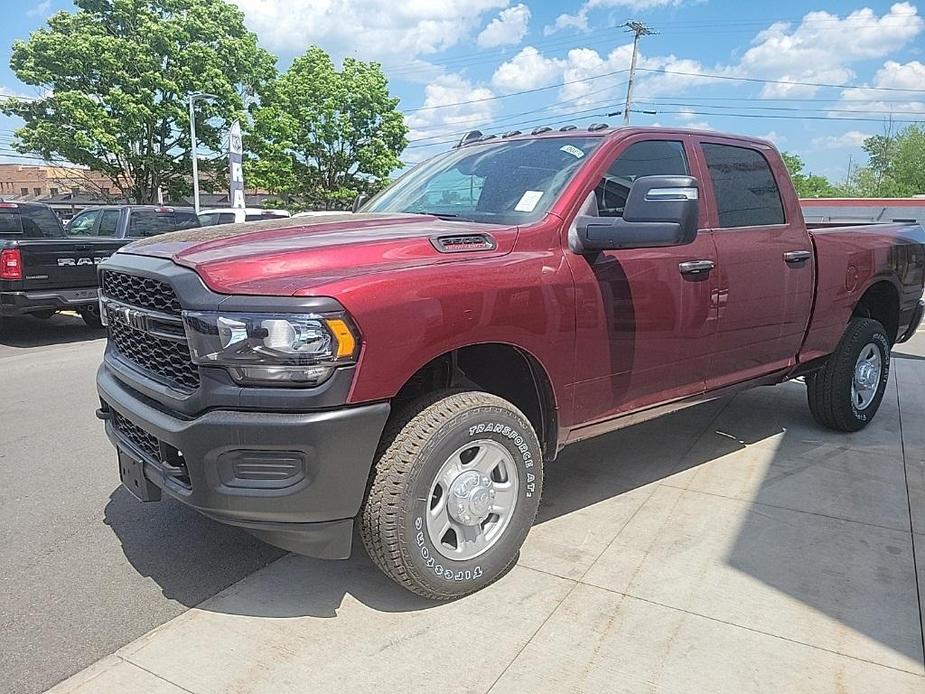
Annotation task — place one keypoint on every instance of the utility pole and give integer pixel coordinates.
(638, 29)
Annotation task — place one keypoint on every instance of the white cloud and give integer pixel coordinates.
(892, 75)
(437, 122)
(823, 46)
(778, 140)
(507, 29)
(369, 29)
(528, 69)
(590, 77)
(850, 139)
(699, 125)
(40, 10)
(579, 20)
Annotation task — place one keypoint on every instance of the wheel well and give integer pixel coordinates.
(500, 369)
(881, 302)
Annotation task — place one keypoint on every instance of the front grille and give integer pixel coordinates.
(141, 439)
(143, 292)
(167, 359)
(164, 359)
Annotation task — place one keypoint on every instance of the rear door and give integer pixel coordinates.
(765, 263)
(50, 260)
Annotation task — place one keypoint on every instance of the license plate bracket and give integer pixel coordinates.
(132, 474)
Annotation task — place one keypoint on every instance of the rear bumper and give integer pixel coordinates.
(295, 480)
(19, 303)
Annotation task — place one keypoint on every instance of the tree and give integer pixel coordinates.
(116, 76)
(896, 167)
(807, 185)
(324, 136)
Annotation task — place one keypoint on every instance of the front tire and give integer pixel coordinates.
(453, 493)
(846, 393)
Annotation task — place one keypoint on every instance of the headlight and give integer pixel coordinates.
(271, 349)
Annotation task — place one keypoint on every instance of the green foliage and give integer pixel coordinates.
(117, 74)
(896, 167)
(322, 136)
(807, 185)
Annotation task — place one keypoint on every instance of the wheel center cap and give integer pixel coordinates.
(471, 494)
(865, 375)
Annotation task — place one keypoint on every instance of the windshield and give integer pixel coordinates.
(512, 182)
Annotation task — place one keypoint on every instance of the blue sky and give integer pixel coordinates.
(755, 68)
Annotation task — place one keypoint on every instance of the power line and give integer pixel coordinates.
(666, 71)
(510, 94)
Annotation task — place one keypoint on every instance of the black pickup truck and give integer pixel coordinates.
(45, 268)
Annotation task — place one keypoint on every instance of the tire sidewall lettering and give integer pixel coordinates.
(517, 442)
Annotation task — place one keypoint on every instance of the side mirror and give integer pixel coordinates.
(659, 211)
(359, 201)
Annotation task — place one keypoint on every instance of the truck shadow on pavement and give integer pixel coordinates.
(25, 331)
(779, 524)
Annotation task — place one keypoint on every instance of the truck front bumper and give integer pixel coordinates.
(20, 303)
(295, 480)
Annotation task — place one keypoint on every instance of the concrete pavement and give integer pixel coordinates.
(84, 568)
(733, 547)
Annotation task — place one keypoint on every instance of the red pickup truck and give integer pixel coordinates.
(412, 368)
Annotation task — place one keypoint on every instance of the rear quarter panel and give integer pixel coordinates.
(849, 260)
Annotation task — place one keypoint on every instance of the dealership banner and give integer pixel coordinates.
(235, 172)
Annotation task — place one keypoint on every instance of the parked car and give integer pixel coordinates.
(126, 222)
(231, 215)
(41, 270)
(413, 368)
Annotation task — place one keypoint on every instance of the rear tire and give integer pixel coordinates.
(845, 394)
(453, 493)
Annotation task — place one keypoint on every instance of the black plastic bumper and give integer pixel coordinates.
(20, 303)
(914, 323)
(295, 480)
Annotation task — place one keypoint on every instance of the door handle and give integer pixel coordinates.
(696, 267)
(794, 257)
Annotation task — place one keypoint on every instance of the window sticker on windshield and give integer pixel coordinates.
(573, 150)
(528, 201)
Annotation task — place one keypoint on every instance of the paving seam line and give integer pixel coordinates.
(580, 579)
(915, 567)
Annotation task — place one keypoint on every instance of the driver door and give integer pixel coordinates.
(645, 322)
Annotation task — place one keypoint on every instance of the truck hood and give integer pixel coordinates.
(290, 255)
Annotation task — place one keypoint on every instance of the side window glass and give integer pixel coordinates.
(647, 158)
(82, 224)
(745, 189)
(109, 222)
(40, 222)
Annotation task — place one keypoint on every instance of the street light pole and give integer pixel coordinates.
(193, 98)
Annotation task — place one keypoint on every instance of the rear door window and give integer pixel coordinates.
(40, 222)
(185, 220)
(109, 223)
(746, 192)
(150, 223)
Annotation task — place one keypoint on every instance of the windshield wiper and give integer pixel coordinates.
(442, 215)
